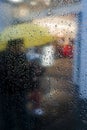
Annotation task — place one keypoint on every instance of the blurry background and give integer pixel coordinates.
(60, 17)
(17, 11)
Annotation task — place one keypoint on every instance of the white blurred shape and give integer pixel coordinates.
(16, 1)
(47, 2)
(38, 111)
(59, 26)
(47, 58)
(33, 3)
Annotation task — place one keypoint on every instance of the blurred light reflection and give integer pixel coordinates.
(47, 55)
(16, 1)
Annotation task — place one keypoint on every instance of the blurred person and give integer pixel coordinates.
(14, 82)
(36, 70)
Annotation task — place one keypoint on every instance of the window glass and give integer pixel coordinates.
(42, 65)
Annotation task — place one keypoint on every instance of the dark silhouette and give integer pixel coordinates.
(35, 72)
(14, 83)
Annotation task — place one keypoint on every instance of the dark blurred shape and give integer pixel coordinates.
(15, 42)
(36, 71)
(14, 82)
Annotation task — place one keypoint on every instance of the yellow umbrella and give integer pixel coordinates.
(33, 35)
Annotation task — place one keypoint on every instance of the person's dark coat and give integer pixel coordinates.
(14, 82)
(35, 72)
(14, 73)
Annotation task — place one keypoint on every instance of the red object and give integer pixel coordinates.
(36, 97)
(67, 50)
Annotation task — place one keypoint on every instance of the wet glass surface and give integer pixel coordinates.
(38, 41)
